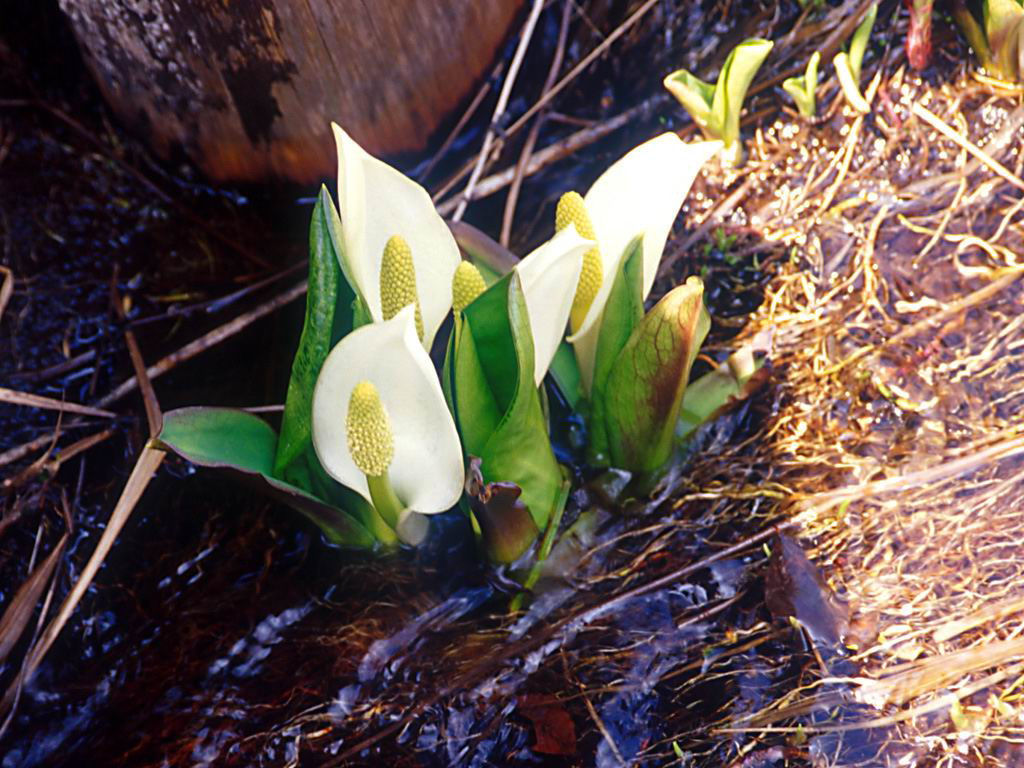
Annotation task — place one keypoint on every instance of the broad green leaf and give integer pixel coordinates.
(644, 392)
(221, 437)
(244, 444)
(321, 324)
(488, 320)
(467, 390)
(489, 256)
(622, 314)
(731, 89)
(566, 373)
(518, 449)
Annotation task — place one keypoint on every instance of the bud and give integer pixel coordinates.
(398, 281)
(467, 284)
(571, 210)
(370, 441)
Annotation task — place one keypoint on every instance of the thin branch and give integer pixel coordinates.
(531, 139)
(13, 397)
(499, 109)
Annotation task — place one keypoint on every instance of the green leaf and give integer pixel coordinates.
(859, 41)
(476, 413)
(694, 94)
(802, 87)
(495, 330)
(644, 392)
(623, 312)
(221, 437)
(731, 89)
(321, 325)
(495, 340)
(566, 372)
(244, 444)
(1004, 28)
(707, 397)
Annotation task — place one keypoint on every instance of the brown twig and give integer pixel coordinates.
(13, 397)
(555, 152)
(463, 120)
(499, 109)
(531, 139)
(154, 416)
(6, 289)
(205, 342)
(555, 90)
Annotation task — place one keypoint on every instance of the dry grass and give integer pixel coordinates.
(899, 355)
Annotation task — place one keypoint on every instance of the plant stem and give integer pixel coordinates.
(545, 547)
(387, 507)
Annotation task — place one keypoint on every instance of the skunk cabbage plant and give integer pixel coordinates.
(801, 88)
(381, 426)
(373, 438)
(385, 217)
(997, 37)
(848, 64)
(716, 108)
(639, 195)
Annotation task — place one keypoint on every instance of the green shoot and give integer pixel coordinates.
(716, 108)
(801, 88)
(848, 64)
(859, 41)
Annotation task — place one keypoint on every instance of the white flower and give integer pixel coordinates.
(424, 456)
(377, 202)
(639, 195)
(548, 275)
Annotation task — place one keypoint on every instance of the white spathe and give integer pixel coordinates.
(426, 471)
(376, 201)
(548, 276)
(640, 194)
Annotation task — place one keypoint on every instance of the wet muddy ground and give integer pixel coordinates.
(879, 258)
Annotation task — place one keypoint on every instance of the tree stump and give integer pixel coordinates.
(247, 88)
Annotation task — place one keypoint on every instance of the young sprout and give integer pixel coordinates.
(848, 64)
(919, 33)
(801, 88)
(998, 40)
(716, 108)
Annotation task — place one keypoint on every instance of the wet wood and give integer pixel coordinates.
(247, 89)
